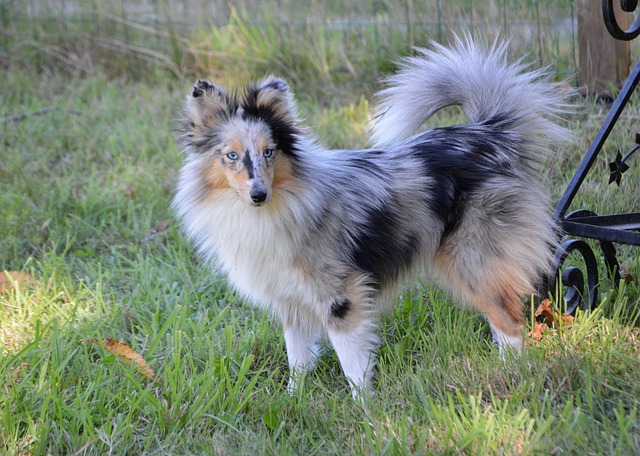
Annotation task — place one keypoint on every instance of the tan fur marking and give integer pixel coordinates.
(214, 176)
(300, 264)
(510, 288)
(238, 181)
(497, 298)
(283, 174)
(275, 100)
(236, 145)
(205, 110)
(444, 262)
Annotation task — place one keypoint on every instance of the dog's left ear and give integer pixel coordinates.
(271, 100)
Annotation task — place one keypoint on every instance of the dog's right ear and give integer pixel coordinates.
(208, 105)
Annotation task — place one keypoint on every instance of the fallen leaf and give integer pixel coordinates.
(546, 310)
(626, 275)
(128, 355)
(567, 319)
(9, 280)
(129, 192)
(551, 316)
(538, 330)
(159, 228)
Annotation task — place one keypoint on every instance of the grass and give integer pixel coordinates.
(85, 191)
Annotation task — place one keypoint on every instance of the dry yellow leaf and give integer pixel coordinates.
(546, 310)
(567, 319)
(128, 355)
(538, 330)
(551, 315)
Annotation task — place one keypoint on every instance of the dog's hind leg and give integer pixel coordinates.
(302, 350)
(504, 340)
(491, 287)
(506, 322)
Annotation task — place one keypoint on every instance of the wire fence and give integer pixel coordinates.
(170, 32)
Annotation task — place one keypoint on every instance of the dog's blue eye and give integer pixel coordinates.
(232, 156)
(267, 153)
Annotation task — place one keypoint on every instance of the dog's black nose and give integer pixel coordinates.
(258, 196)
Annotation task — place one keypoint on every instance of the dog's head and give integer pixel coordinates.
(248, 142)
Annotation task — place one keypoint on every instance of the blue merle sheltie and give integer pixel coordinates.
(324, 238)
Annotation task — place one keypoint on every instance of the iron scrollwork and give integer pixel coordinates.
(611, 21)
(572, 278)
(618, 167)
(608, 229)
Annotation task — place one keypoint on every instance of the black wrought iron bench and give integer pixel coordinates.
(608, 229)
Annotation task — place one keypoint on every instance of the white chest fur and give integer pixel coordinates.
(256, 247)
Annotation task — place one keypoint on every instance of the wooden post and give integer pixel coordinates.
(604, 61)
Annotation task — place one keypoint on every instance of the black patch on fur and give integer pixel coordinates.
(460, 159)
(381, 249)
(248, 164)
(340, 308)
(382, 246)
(284, 132)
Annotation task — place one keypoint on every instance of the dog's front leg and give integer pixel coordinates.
(355, 342)
(302, 350)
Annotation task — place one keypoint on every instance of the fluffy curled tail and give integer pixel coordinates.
(482, 82)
